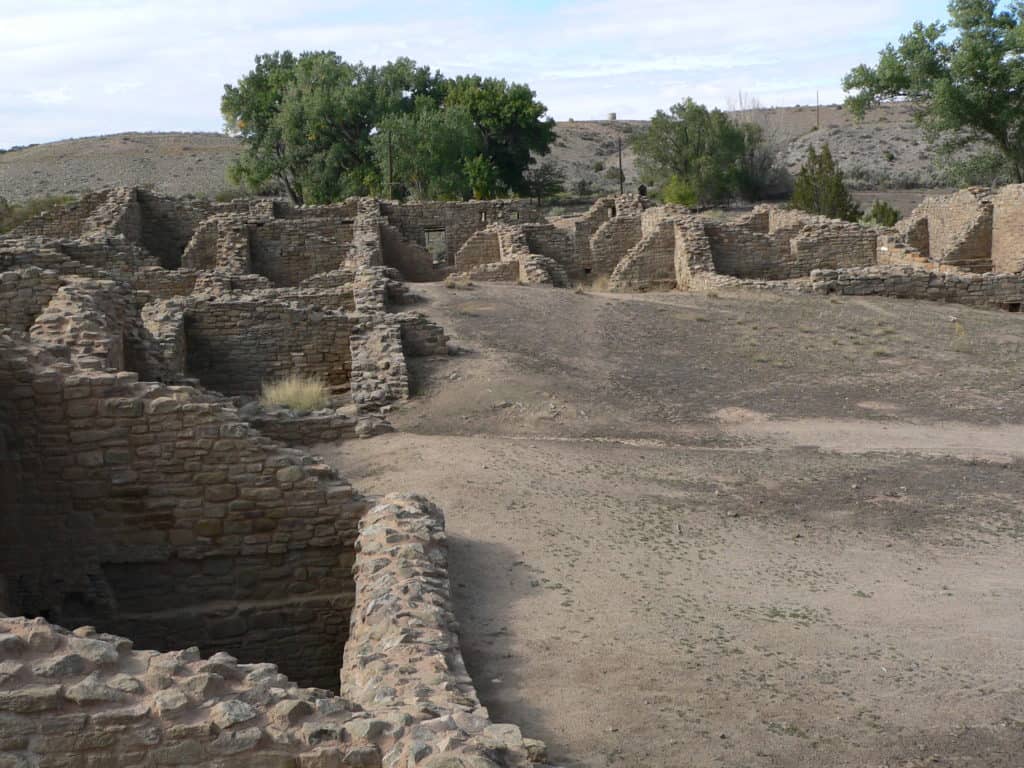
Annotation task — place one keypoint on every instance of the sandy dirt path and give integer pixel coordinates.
(738, 584)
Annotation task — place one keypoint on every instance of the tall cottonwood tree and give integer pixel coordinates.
(307, 124)
(965, 78)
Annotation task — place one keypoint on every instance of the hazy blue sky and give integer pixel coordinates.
(84, 67)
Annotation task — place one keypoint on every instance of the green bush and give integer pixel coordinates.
(677, 190)
(820, 188)
(882, 214)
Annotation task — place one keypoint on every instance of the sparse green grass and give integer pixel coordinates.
(16, 214)
(296, 391)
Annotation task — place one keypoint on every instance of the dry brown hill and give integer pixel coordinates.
(885, 150)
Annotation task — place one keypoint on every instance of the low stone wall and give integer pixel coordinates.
(85, 697)
(404, 631)
(422, 337)
(235, 344)
(995, 291)
(23, 295)
(295, 429)
(380, 376)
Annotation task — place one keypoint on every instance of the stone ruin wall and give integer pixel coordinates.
(116, 491)
(993, 291)
(88, 697)
(1008, 229)
(156, 490)
(959, 228)
(234, 345)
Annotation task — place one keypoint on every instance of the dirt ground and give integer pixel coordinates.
(748, 529)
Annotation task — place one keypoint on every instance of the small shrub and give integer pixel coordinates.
(296, 391)
(820, 188)
(15, 214)
(677, 190)
(882, 214)
(599, 166)
(455, 282)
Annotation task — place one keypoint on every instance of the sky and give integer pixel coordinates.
(72, 68)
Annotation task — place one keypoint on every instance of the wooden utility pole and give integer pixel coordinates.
(622, 176)
(817, 106)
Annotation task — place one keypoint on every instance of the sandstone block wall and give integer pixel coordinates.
(551, 241)
(650, 264)
(959, 229)
(779, 244)
(128, 490)
(287, 253)
(24, 293)
(1008, 229)
(481, 248)
(234, 345)
(457, 220)
(612, 241)
(90, 698)
(995, 291)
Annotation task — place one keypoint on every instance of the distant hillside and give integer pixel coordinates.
(883, 151)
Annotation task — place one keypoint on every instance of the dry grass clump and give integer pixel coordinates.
(296, 391)
(458, 281)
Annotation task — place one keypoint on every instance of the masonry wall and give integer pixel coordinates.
(651, 263)
(234, 345)
(960, 229)
(288, 251)
(411, 259)
(23, 295)
(167, 224)
(65, 221)
(551, 241)
(141, 490)
(1008, 229)
(458, 220)
(482, 248)
(612, 241)
(994, 291)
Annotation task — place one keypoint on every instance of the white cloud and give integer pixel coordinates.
(76, 66)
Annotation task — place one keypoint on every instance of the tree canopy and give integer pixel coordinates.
(699, 156)
(965, 78)
(323, 128)
(820, 189)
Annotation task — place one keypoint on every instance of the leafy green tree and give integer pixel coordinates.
(882, 213)
(483, 176)
(511, 123)
(546, 179)
(820, 189)
(426, 151)
(965, 78)
(306, 121)
(692, 151)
